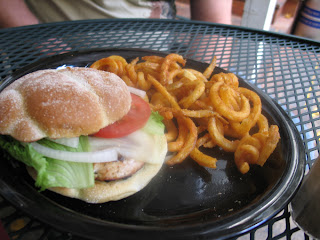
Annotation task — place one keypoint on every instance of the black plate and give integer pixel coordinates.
(185, 201)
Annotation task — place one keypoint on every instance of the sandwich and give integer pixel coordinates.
(82, 133)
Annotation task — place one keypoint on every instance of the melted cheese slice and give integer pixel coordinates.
(139, 145)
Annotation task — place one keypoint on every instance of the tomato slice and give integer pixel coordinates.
(135, 119)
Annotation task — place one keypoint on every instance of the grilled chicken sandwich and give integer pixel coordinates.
(81, 133)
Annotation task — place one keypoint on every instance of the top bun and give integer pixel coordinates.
(62, 103)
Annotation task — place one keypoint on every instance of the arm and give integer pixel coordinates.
(218, 11)
(15, 13)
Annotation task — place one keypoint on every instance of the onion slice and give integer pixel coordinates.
(139, 145)
(69, 142)
(104, 155)
(137, 92)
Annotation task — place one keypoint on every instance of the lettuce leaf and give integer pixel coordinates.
(154, 124)
(52, 172)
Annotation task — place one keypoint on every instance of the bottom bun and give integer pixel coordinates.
(103, 192)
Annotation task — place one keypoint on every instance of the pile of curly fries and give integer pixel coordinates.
(200, 109)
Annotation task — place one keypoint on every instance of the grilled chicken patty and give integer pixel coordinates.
(109, 171)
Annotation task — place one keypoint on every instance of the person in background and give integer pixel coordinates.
(15, 13)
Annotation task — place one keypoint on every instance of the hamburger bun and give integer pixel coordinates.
(62, 103)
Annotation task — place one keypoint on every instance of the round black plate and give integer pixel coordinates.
(185, 201)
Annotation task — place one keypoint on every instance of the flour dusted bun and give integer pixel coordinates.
(62, 103)
(103, 192)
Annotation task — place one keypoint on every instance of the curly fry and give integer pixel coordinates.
(207, 73)
(173, 87)
(217, 136)
(197, 74)
(201, 114)
(191, 98)
(206, 141)
(173, 74)
(106, 64)
(168, 60)
(224, 110)
(241, 128)
(143, 66)
(179, 142)
(172, 131)
(247, 153)
(188, 74)
(119, 59)
(131, 73)
(230, 97)
(229, 79)
(189, 113)
(203, 159)
(142, 83)
(127, 80)
(158, 99)
(163, 91)
(262, 123)
(153, 59)
(244, 155)
(270, 145)
(189, 143)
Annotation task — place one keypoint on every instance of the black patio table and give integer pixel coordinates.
(285, 67)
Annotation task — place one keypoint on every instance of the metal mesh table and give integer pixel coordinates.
(285, 67)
